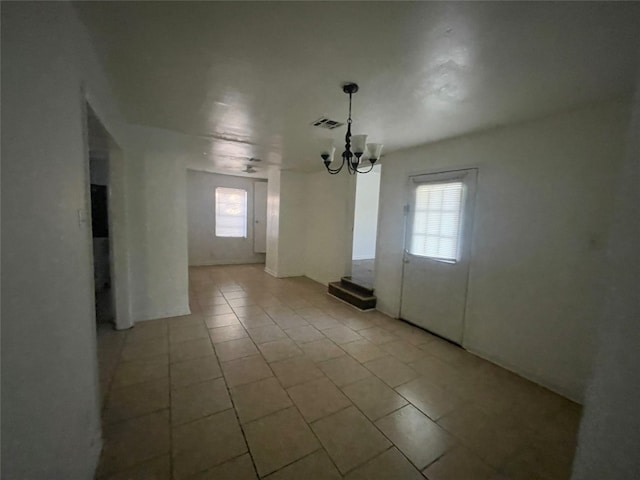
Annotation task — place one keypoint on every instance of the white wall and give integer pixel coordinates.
(273, 222)
(204, 247)
(609, 440)
(365, 225)
(157, 224)
(50, 406)
(329, 213)
(542, 214)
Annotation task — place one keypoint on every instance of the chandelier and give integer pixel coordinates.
(355, 146)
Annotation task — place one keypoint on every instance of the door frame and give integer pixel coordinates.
(407, 220)
(118, 270)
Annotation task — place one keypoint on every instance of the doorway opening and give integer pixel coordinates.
(365, 228)
(98, 139)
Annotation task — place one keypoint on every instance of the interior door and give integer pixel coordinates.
(260, 217)
(437, 251)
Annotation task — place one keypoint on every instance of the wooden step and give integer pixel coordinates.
(353, 297)
(350, 284)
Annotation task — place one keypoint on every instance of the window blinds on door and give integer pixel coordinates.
(437, 220)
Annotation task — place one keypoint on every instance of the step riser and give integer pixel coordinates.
(350, 285)
(352, 299)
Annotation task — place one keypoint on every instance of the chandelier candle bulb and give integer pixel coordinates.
(374, 149)
(358, 143)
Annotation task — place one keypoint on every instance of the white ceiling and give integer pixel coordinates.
(246, 79)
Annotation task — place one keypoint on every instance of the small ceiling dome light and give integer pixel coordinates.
(355, 147)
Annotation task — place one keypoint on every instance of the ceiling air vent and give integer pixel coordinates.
(324, 122)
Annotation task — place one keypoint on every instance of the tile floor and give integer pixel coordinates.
(271, 378)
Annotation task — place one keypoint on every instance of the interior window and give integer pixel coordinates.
(231, 212)
(437, 221)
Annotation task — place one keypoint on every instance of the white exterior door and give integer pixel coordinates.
(437, 251)
(260, 217)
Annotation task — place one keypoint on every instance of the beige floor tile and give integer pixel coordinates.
(494, 438)
(212, 300)
(145, 349)
(258, 320)
(134, 441)
(403, 351)
(181, 352)
(377, 335)
(437, 371)
(199, 400)
(279, 439)
(212, 310)
(290, 321)
(430, 399)
(258, 399)
(230, 332)
(223, 320)
(241, 302)
(240, 468)
(356, 323)
(130, 373)
(184, 334)
(206, 443)
(317, 466)
(373, 397)
(413, 335)
(304, 334)
(341, 335)
(419, 438)
(318, 398)
(295, 370)
(150, 332)
(248, 312)
(184, 321)
(321, 350)
(323, 322)
(245, 370)
(194, 371)
(234, 349)
(233, 294)
(344, 370)
(364, 350)
(391, 370)
(389, 465)
(136, 400)
(157, 469)
(267, 333)
(459, 463)
(349, 438)
(279, 349)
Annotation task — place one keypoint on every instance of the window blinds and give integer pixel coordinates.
(231, 212)
(437, 220)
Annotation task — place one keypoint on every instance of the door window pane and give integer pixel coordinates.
(437, 221)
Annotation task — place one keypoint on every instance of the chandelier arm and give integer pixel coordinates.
(333, 171)
(365, 171)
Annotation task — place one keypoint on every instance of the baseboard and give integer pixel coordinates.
(271, 272)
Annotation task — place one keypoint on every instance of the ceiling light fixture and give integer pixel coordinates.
(358, 142)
